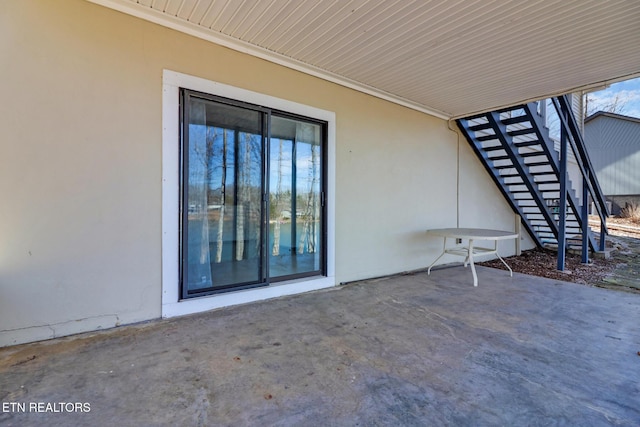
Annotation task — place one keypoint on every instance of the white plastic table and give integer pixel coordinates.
(470, 251)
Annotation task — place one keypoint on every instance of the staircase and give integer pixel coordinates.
(517, 151)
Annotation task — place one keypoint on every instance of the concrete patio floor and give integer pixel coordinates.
(405, 350)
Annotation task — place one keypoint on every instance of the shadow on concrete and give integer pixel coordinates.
(404, 350)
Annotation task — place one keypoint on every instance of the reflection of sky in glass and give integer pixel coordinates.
(304, 165)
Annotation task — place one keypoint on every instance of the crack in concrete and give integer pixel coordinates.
(53, 325)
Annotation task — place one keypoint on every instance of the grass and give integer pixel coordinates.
(631, 211)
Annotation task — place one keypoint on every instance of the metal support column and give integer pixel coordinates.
(585, 221)
(562, 208)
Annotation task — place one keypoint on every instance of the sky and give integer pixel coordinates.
(628, 94)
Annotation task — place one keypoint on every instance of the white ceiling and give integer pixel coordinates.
(450, 58)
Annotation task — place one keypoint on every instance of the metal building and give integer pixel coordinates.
(613, 141)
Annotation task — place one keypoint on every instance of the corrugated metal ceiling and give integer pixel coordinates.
(449, 57)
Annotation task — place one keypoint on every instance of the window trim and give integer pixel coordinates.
(172, 304)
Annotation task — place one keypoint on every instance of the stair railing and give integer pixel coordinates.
(590, 182)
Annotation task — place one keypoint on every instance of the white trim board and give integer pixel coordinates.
(171, 304)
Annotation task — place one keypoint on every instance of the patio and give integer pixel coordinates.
(403, 350)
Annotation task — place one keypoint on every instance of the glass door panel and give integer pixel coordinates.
(294, 198)
(222, 212)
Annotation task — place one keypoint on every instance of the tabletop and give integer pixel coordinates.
(474, 233)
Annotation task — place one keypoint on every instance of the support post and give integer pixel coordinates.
(585, 221)
(562, 207)
(518, 230)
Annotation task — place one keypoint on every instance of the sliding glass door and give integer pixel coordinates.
(252, 188)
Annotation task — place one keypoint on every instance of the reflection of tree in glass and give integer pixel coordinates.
(204, 156)
(309, 228)
(249, 195)
(223, 191)
(277, 202)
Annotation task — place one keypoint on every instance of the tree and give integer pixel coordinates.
(612, 104)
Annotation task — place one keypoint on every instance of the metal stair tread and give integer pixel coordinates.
(486, 138)
(515, 120)
(479, 127)
(520, 132)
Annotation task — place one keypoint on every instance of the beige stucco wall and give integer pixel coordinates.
(80, 175)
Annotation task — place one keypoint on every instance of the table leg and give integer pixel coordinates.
(505, 264)
(473, 267)
(495, 247)
(444, 251)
